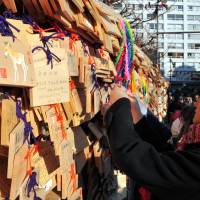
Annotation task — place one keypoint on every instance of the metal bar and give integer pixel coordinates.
(178, 32)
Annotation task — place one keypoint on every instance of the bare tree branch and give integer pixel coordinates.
(156, 10)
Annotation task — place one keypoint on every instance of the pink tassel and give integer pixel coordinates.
(126, 73)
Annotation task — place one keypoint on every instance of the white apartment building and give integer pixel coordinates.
(179, 53)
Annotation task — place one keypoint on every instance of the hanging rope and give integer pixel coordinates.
(6, 28)
(31, 184)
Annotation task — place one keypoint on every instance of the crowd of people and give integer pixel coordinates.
(181, 110)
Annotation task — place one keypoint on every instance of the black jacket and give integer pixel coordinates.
(141, 152)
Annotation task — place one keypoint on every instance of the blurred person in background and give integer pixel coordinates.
(181, 124)
(197, 98)
(188, 100)
(178, 105)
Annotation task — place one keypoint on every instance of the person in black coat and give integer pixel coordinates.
(139, 148)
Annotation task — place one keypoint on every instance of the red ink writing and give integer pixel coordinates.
(3, 72)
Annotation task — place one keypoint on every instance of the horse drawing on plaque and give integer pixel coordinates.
(17, 58)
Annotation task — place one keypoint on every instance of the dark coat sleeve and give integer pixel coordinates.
(154, 132)
(141, 161)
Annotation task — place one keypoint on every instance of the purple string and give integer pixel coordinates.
(97, 45)
(9, 15)
(28, 130)
(27, 19)
(7, 197)
(120, 72)
(129, 49)
(45, 40)
(32, 182)
(50, 56)
(5, 28)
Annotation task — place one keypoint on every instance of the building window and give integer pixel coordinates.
(160, 17)
(160, 26)
(130, 6)
(193, 8)
(175, 26)
(175, 45)
(174, 17)
(175, 55)
(193, 1)
(193, 17)
(177, 7)
(175, 36)
(194, 36)
(193, 55)
(137, 6)
(150, 16)
(161, 45)
(194, 46)
(154, 26)
(176, 0)
(194, 26)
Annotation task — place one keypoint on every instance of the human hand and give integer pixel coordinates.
(135, 108)
(117, 92)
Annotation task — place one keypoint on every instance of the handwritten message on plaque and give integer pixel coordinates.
(52, 84)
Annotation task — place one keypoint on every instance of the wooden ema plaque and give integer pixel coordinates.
(8, 119)
(52, 84)
(16, 67)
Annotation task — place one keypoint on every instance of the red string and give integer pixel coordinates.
(59, 118)
(72, 85)
(58, 29)
(28, 157)
(73, 176)
(119, 79)
(72, 40)
(132, 67)
(75, 37)
(41, 31)
(91, 60)
(121, 60)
